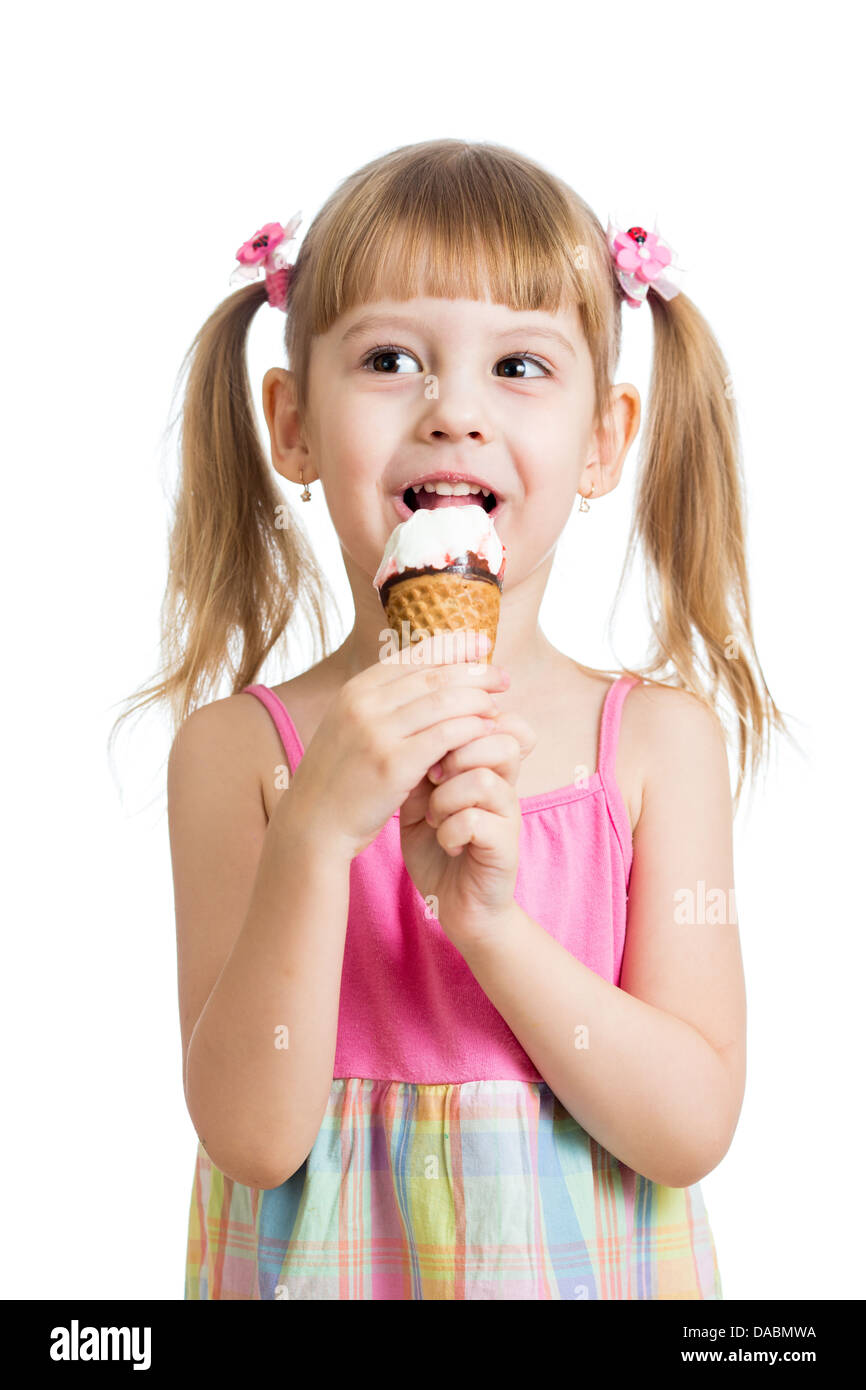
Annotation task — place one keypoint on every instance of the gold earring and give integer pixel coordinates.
(584, 505)
(306, 494)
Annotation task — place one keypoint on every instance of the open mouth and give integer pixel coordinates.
(431, 496)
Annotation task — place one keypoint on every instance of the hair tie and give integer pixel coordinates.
(639, 257)
(268, 249)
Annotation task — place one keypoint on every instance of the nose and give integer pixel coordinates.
(455, 414)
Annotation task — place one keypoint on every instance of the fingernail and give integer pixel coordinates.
(435, 772)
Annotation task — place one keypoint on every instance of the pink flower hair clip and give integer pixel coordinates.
(639, 257)
(268, 249)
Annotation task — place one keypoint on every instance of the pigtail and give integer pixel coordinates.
(689, 518)
(240, 567)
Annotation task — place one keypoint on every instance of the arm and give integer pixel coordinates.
(660, 1084)
(261, 922)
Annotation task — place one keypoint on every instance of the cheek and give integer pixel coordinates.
(357, 522)
(557, 425)
(531, 530)
(354, 484)
(359, 438)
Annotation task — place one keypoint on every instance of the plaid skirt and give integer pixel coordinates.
(477, 1190)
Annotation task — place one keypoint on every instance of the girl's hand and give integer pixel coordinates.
(384, 729)
(460, 833)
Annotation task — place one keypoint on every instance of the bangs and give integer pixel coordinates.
(468, 230)
(448, 220)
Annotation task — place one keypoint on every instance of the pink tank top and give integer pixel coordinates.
(410, 1007)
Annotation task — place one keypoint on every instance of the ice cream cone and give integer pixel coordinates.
(445, 601)
(441, 572)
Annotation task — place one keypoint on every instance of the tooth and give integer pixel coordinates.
(446, 489)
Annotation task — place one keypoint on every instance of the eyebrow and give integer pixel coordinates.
(372, 321)
(369, 321)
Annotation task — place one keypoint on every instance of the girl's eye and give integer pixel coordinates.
(523, 358)
(389, 354)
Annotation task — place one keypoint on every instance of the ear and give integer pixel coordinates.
(609, 452)
(289, 454)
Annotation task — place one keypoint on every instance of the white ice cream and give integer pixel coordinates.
(439, 538)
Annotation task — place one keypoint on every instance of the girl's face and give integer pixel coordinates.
(402, 390)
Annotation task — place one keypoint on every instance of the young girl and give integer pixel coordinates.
(461, 994)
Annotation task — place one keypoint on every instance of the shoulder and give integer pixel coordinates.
(671, 735)
(221, 745)
(672, 716)
(218, 728)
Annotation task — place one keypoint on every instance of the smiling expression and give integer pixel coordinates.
(405, 392)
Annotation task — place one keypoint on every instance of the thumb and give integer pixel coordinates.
(419, 795)
(507, 722)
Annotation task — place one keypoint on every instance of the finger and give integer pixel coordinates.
(507, 722)
(427, 681)
(431, 745)
(480, 787)
(447, 702)
(414, 808)
(436, 649)
(489, 833)
(395, 685)
(499, 752)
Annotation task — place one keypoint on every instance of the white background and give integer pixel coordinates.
(142, 146)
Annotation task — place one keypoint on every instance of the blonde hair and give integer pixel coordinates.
(453, 219)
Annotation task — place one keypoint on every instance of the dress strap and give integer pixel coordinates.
(610, 721)
(283, 720)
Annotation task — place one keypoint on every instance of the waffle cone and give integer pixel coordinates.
(444, 602)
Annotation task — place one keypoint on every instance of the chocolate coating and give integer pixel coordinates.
(474, 568)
